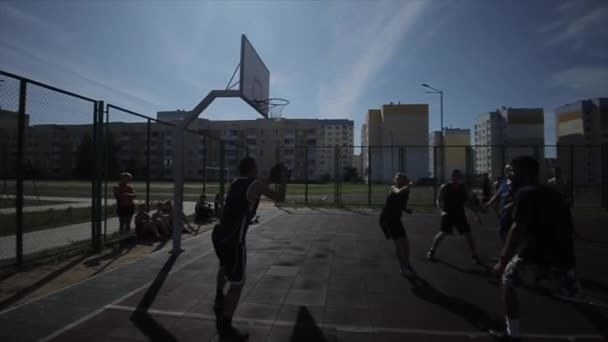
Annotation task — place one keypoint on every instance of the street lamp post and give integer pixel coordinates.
(440, 92)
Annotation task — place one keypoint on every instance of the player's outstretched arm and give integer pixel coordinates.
(262, 188)
(440, 197)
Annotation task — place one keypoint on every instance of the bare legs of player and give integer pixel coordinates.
(436, 241)
(471, 243)
(511, 303)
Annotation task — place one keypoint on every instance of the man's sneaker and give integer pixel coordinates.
(430, 255)
(232, 334)
(503, 336)
(408, 271)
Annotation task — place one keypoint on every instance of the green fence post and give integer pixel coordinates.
(20, 173)
(435, 175)
(306, 174)
(105, 137)
(604, 151)
(98, 178)
(572, 194)
(94, 194)
(222, 169)
(205, 165)
(369, 175)
(149, 137)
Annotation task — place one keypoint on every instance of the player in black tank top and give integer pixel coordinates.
(453, 197)
(229, 240)
(390, 221)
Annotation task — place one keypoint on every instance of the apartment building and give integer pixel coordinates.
(581, 127)
(398, 137)
(506, 133)
(456, 154)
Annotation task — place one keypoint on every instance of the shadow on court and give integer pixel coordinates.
(142, 319)
(474, 315)
(306, 328)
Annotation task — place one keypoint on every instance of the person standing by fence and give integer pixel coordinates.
(125, 202)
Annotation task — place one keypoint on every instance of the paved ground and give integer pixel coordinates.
(77, 202)
(41, 240)
(317, 275)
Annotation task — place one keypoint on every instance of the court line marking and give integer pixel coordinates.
(100, 310)
(352, 328)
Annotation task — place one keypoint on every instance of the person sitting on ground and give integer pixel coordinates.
(203, 211)
(540, 244)
(157, 217)
(144, 226)
(186, 227)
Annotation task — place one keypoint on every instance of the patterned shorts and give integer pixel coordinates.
(559, 281)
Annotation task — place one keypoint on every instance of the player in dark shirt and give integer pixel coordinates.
(539, 247)
(504, 199)
(390, 221)
(452, 199)
(229, 239)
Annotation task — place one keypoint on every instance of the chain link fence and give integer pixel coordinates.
(48, 150)
(62, 154)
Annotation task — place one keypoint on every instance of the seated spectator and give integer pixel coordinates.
(203, 211)
(159, 220)
(168, 218)
(144, 226)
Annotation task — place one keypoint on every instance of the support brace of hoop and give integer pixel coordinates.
(178, 162)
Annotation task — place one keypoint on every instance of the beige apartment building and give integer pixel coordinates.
(457, 153)
(581, 127)
(506, 133)
(397, 135)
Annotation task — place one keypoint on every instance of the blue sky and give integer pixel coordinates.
(331, 59)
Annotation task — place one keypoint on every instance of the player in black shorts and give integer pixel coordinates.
(390, 221)
(539, 251)
(452, 199)
(229, 239)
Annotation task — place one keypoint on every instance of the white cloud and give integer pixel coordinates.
(61, 60)
(574, 25)
(381, 35)
(587, 80)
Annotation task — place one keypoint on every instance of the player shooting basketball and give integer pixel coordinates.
(229, 238)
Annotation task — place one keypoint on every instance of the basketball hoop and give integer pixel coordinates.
(275, 107)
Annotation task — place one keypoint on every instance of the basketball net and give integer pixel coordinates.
(275, 107)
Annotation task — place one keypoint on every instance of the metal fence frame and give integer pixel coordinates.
(100, 128)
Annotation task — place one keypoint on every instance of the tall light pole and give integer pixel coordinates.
(440, 92)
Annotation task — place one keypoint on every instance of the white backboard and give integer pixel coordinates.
(254, 78)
